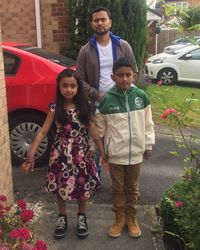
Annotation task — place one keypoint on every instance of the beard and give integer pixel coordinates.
(101, 32)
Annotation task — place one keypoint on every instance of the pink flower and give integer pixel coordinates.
(26, 246)
(2, 197)
(159, 83)
(168, 112)
(178, 204)
(21, 204)
(20, 233)
(26, 215)
(41, 245)
(4, 247)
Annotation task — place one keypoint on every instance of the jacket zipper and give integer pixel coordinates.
(129, 122)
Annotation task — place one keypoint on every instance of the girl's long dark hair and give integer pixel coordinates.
(80, 100)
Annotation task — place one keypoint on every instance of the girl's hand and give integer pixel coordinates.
(104, 163)
(27, 166)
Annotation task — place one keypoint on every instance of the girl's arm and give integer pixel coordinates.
(29, 163)
(96, 138)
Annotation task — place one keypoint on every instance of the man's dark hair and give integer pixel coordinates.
(122, 62)
(101, 8)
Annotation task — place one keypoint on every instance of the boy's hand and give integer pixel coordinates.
(27, 166)
(147, 154)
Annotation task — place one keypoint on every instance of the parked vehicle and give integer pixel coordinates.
(187, 40)
(174, 47)
(179, 65)
(30, 75)
(182, 42)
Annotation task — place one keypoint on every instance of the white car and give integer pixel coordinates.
(179, 65)
(174, 47)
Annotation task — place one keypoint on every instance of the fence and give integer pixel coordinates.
(166, 37)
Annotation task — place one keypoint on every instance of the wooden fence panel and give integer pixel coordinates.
(166, 37)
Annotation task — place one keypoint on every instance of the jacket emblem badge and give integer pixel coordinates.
(139, 102)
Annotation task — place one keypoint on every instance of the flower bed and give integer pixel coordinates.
(180, 212)
(16, 226)
(179, 207)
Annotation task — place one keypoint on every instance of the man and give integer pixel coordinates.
(96, 58)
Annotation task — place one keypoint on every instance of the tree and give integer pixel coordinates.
(187, 19)
(129, 22)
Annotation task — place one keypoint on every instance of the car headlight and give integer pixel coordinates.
(159, 60)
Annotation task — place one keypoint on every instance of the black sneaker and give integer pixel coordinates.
(82, 227)
(61, 227)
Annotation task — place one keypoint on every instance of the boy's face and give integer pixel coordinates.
(123, 77)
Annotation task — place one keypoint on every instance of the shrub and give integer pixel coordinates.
(179, 206)
(180, 209)
(15, 227)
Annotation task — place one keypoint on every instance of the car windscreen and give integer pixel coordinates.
(56, 58)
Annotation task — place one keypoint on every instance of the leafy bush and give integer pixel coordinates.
(180, 206)
(180, 209)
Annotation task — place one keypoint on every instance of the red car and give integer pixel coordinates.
(30, 75)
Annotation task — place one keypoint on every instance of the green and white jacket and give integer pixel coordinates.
(124, 120)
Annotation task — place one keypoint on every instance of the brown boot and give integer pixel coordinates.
(133, 227)
(118, 225)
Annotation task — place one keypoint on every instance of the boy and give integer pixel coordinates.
(124, 120)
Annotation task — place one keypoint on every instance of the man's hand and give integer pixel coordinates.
(100, 96)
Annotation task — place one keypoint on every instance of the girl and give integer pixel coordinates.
(71, 173)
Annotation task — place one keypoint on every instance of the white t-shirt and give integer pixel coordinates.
(106, 64)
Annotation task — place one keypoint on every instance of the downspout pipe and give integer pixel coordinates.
(38, 23)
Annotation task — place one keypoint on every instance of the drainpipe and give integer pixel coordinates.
(38, 23)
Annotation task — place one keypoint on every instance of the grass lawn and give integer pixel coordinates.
(177, 97)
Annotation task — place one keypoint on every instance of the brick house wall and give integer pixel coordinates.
(19, 23)
(6, 183)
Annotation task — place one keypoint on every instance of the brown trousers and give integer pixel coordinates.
(125, 188)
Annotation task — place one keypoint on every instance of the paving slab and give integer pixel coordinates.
(99, 218)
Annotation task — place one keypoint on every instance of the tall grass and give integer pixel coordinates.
(178, 97)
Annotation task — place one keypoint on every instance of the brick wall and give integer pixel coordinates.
(19, 23)
(6, 184)
(55, 23)
(18, 20)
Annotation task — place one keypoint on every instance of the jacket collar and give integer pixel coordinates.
(115, 43)
(115, 39)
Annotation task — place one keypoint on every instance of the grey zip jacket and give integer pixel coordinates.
(88, 64)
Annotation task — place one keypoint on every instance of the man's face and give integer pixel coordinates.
(123, 77)
(100, 23)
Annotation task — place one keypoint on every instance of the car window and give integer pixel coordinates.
(195, 54)
(57, 58)
(11, 63)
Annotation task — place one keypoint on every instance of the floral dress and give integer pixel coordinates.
(71, 174)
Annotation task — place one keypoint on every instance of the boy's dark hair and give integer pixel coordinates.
(122, 62)
(101, 8)
(80, 100)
